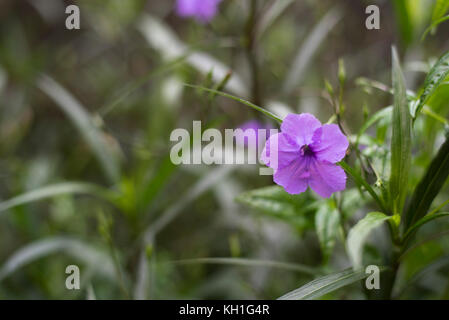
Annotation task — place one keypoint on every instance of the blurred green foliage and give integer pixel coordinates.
(85, 172)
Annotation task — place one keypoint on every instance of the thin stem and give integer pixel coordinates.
(360, 181)
(337, 106)
(438, 208)
(338, 204)
(251, 54)
(118, 269)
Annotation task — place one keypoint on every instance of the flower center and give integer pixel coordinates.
(306, 151)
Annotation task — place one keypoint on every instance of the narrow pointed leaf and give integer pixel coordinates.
(53, 191)
(440, 9)
(401, 139)
(271, 15)
(429, 187)
(36, 250)
(433, 26)
(404, 19)
(85, 125)
(423, 221)
(321, 286)
(434, 79)
(308, 49)
(327, 227)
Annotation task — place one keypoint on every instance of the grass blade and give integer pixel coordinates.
(429, 186)
(401, 139)
(53, 191)
(324, 285)
(275, 10)
(308, 49)
(91, 293)
(83, 122)
(41, 248)
(433, 26)
(423, 221)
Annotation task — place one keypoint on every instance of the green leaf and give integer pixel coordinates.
(150, 189)
(249, 104)
(93, 257)
(429, 186)
(433, 26)
(401, 139)
(361, 182)
(275, 202)
(324, 285)
(440, 9)
(404, 19)
(271, 15)
(359, 233)
(307, 51)
(84, 123)
(56, 190)
(327, 222)
(434, 79)
(423, 221)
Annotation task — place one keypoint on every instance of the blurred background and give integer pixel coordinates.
(85, 121)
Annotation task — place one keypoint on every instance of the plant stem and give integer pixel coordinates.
(250, 51)
(391, 280)
(118, 269)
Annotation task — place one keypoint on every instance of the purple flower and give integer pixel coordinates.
(203, 10)
(304, 154)
(249, 134)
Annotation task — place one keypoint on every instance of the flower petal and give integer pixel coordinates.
(280, 150)
(329, 143)
(293, 177)
(250, 128)
(326, 178)
(186, 7)
(202, 10)
(300, 127)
